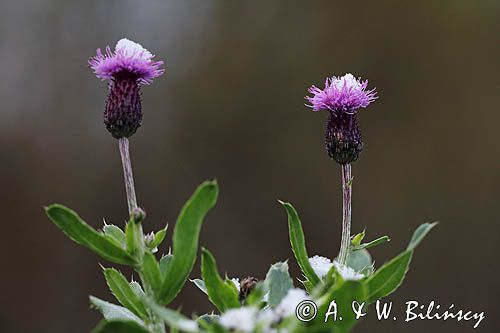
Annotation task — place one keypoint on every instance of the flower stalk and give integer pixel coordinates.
(123, 145)
(346, 213)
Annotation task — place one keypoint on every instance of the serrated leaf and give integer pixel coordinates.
(174, 319)
(137, 289)
(119, 326)
(200, 284)
(223, 295)
(185, 240)
(158, 238)
(388, 277)
(121, 289)
(298, 243)
(80, 232)
(115, 233)
(164, 262)
(112, 311)
(278, 281)
(419, 234)
(151, 271)
(134, 238)
(359, 260)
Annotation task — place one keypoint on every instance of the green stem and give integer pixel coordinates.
(346, 213)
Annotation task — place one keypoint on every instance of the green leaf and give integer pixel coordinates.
(151, 271)
(344, 294)
(137, 289)
(119, 326)
(174, 319)
(164, 262)
(112, 311)
(389, 277)
(373, 243)
(123, 292)
(115, 233)
(298, 243)
(80, 232)
(419, 234)
(134, 239)
(200, 284)
(356, 240)
(360, 260)
(222, 294)
(278, 282)
(185, 239)
(158, 238)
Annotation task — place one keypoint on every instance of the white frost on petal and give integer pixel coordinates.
(320, 265)
(346, 272)
(241, 319)
(132, 49)
(289, 302)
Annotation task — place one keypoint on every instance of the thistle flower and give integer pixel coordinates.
(126, 68)
(342, 97)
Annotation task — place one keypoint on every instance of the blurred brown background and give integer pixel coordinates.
(231, 107)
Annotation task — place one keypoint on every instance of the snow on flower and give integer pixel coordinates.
(241, 319)
(346, 272)
(128, 58)
(320, 265)
(341, 94)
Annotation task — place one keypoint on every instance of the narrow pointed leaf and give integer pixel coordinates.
(121, 289)
(151, 271)
(119, 326)
(114, 312)
(223, 295)
(185, 240)
(419, 234)
(114, 232)
(80, 232)
(298, 243)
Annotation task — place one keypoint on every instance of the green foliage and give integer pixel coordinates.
(134, 239)
(390, 276)
(185, 240)
(375, 242)
(151, 272)
(80, 232)
(119, 326)
(222, 293)
(158, 238)
(121, 289)
(297, 240)
(278, 282)
(114, 312)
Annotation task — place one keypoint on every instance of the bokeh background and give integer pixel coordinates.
(231, 107)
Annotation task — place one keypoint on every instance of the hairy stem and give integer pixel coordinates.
(346, 213)
(127, 174)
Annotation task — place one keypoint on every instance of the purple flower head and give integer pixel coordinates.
(341, 94)
(128, 57)
(126, 68)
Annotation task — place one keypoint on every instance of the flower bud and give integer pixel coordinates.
(246, 286)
